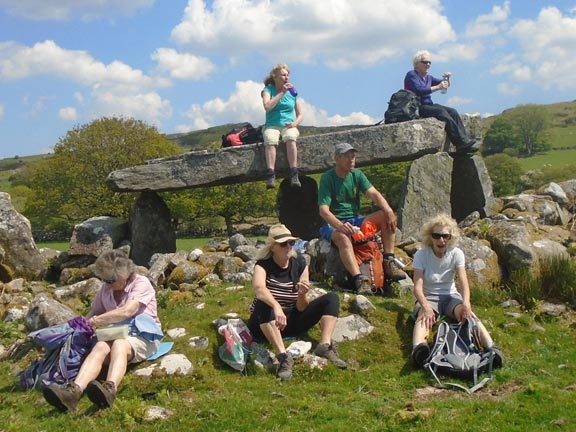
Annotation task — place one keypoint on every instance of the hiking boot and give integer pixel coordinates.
(469, 146)
(328, 351)
(391, 270)
(284, 370)
(362, 285)
(270, 180)
(295, 181)
(64, 397)
(102, 395)
(498, 360)
(420, 353)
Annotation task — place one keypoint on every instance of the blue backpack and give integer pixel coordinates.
(457, 351)
(67, 345)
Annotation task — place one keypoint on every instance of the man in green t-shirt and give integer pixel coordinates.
(339, 204)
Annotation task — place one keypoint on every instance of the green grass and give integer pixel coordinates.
(553, 158)
(535, 389)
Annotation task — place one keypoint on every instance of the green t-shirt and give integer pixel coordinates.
(342, 195)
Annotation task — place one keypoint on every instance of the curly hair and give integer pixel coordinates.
(114, 263)
(269, 80)
(441, 220)
(419, 56)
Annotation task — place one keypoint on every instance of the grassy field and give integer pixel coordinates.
(552, 158)
(535, 391)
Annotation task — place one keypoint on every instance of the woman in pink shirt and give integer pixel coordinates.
(125, 297)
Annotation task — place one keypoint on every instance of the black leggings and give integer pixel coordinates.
(297, 322)
(454, 126)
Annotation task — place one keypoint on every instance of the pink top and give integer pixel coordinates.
(138, 288)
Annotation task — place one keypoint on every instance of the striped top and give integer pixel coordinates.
(282, 282)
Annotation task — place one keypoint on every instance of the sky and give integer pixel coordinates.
(184, 65)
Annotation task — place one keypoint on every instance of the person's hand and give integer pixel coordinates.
(444, 84)
(289, 125)
(303, 287)
(281, 319)
(347, 228)
(390, 220)
(427, 317)
(447, 75)
(467, 312)
(92, 321)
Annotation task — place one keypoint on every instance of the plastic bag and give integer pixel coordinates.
(237, 345)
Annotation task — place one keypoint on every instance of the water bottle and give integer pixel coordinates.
(445, 78)
(293, 91)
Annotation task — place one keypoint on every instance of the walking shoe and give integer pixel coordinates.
(284, 370)
(65, 397)
(102, 395)
(469, 146)
(419, 354)
(391, 270)
(362, 285)
(270, 181)
(328, 351)
(295, 181)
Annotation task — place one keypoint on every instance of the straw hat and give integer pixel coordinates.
(279, 234)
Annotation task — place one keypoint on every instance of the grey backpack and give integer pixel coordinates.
(457, 351)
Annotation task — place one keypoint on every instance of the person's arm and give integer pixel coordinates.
(465, 292)
(263, 294)
(427, 317)
(303, 286)
(270, 102)
(379, 201)
(127, 310)
(299, 114)
(345, 228)
(414, 83)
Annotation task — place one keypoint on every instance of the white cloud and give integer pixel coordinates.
(149, 107)
(68, 113)
(245, 105)
(182, 66)
(548, 48)
(59, 10)
(509, 89)
(457, 101)
(490, 24)
(1, 111)
(350, 33)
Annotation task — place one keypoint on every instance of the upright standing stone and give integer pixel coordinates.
(151, 228)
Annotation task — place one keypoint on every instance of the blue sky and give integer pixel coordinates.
(184, 65)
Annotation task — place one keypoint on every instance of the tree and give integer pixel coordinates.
(235, 202)
(531, 124)
(505, 172)
(69, 186)
(389, 179)
(499, 136)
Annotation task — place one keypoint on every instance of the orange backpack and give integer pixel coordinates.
(368, 254)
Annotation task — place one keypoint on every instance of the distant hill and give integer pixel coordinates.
(211, 138)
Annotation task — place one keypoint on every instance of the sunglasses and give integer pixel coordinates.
(286, 243)
(438, 236)
(426, 62)
(109, 281)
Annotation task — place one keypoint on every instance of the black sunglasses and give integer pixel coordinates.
(438, 236)
(286, 243)
(109, 281)
(426, 62)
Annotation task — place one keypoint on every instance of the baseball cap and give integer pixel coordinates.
(342, 148)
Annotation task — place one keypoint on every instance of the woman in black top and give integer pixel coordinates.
(281, 307)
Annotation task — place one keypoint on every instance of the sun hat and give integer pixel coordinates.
(342, 148)
(279, 234)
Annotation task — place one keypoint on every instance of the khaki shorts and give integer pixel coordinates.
(272, 134)
(142, 348)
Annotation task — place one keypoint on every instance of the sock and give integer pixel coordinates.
(293, 171)
(269, 173)
(388, 256)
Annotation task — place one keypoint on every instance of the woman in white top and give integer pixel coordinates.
(436, 266)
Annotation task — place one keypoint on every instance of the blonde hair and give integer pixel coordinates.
(266, 251)
(441, 220)
(419, 56)
(114, 263)
(269, 80)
